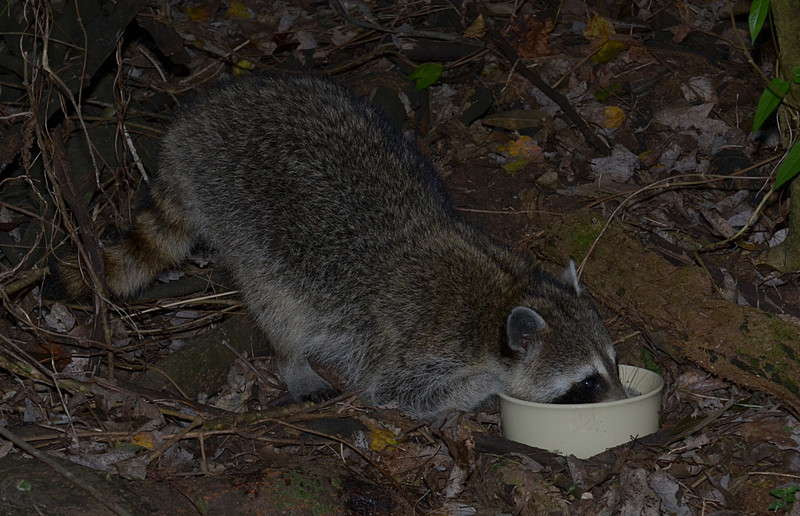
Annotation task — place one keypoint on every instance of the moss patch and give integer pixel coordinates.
(583, 236)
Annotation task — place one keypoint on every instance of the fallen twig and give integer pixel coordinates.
(61, 470)
(398, 31)
(363, 455)
(511, 55)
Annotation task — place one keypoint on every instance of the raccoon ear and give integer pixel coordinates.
(522, 326)
(571, 276)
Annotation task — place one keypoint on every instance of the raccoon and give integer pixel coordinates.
(347, 251)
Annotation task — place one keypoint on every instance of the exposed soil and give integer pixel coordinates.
(168, 404)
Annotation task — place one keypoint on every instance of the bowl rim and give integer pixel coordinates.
(576, 406)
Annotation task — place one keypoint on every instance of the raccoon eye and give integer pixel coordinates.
(590, 385)
(587, 390)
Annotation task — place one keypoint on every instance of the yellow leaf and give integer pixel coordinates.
(238, 10)
(608, 51)
(522, 147)
(144, 439)
(516, 165)
(614, 116)
(598, 27)
(241, 67)
(197, 13)
(747, 246)
(522, 152)
(477, 28)
(380, 439)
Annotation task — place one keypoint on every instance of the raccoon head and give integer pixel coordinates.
(561, 351)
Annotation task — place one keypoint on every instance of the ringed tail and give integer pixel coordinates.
(160, 239)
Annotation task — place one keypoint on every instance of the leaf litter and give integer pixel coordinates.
(667, 90)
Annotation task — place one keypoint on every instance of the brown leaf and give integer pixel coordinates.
(516, 119)
(531, 37)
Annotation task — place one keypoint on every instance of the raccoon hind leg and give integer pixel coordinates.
(303, 383)
(161, 238)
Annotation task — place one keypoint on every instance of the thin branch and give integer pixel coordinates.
(388, 476)
(66, 473)
(399, 31)
(571, 113)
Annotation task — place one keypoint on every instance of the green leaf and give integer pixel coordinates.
(425, 75)
(772, 96)
(777, 505)
(790, 166)
(758, 14)
(606, 92)
(796, 75)
(649, 360)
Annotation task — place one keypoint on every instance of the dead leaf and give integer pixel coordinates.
(718, 224)
(609, 49)
(239, 10)
(516, 119)
(242, 67)
(522, 152)
(532, 37)
(701, 87)
(197, 14)
(381, 438)
(598, 27)
(144, 439)
(614, 116)
(679, 32)
(476, 29)
(683, 117)
(619, 166)
(59, 318)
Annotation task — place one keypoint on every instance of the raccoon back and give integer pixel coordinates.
(298, 169)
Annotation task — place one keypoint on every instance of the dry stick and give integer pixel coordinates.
(184, 302)
(713, 416)
(102, 331)
(745, 228)
(66, 91)
(580, 63)
(17, 361)
(170, 380)
(293, 410)
(710, 178)
(511, 55)
(153, 455)
(747, 55)
(652, 186)
(773, 474)
(27, 278)
(410, 33)
(261, 377)
(702, 264)
(513, 212)
(61, 470)
(360, 452)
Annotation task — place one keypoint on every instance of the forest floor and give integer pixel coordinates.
(135, 407)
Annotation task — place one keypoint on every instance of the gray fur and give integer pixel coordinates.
(347, 251)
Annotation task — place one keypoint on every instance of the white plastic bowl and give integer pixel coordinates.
(586, 430)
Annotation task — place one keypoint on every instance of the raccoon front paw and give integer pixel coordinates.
(320, 395)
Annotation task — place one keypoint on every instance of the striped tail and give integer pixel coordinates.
(161, 238)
